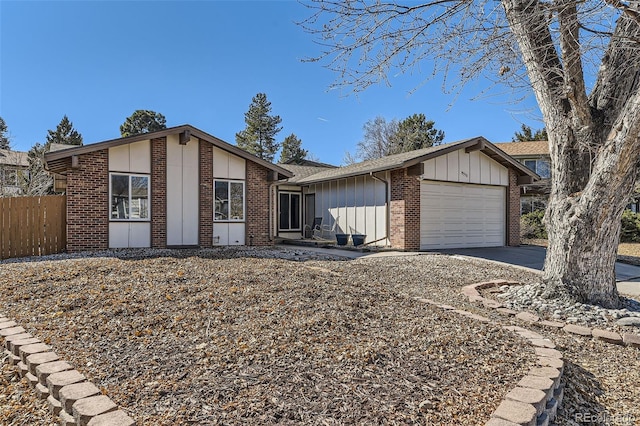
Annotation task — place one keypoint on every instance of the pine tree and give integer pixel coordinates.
(415, 132)
(292, 150)
(4, 138)
(143, 121)
(527, 134)
(259, 136)
(64, 134)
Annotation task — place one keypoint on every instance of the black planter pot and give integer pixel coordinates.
(342, 239)
(358, 239)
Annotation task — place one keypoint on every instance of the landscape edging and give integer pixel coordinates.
(63, 386)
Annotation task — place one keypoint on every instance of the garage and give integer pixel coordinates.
(458, 215)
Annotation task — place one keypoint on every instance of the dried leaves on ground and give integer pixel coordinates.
(230, 337)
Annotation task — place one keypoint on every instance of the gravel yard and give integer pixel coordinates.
(275, 336)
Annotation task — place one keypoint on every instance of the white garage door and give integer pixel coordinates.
(454, 215)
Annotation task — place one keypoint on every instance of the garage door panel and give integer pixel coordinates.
(457, 215)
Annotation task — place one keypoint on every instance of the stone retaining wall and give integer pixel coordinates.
(70, 396)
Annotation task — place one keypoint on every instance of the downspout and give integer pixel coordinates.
(388, 212)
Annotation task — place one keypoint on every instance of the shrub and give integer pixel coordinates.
(630, 231)
(531, 225)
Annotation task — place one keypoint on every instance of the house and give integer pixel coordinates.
(461, 194)
(13, 164)
(182, 187)
(534, 155)
(178, 187)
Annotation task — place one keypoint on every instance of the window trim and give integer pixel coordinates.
(244, 200)
(299, 194)
(130, 175)
(537, 161)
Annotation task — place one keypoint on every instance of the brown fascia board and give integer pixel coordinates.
(58, 155)
(488, 149)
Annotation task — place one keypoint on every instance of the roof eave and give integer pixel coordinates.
(85, 149)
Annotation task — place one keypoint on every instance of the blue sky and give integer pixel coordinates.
(200, 63)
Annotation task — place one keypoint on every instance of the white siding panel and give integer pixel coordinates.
(237, 167)
(359, 202)
(430, 169)
(190, 191)
(220, 234)
(220, 163)
(118, 234)
(485, 169)
(464, 165)
(236, 234)
(461, 215)
(441, 168)
(453, 167)
(119, 158)
(140, 157)
(474, 166)
(182, 192)
(140, 234)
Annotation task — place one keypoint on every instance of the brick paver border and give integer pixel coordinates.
(72, 398)
(521, 402)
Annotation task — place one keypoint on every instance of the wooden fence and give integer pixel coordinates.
(32, 226)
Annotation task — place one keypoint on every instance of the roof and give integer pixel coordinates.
(58, 161)
(13, 158)
(408, 159)
(300, 172)
(521, 149)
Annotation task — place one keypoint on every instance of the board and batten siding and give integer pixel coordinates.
(472, 167)
(182, 192)
(229, 167)
(359, 205)
(132, 158)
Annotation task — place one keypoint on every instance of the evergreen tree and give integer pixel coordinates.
(64, 134)
(292, 150)
(143, 121)
(4, 138)
(259, 136)
(415, 132)
(527, 134)
(382, 137)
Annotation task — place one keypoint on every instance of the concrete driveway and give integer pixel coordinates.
(627, 276)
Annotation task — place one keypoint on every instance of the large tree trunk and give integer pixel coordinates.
(593, 145)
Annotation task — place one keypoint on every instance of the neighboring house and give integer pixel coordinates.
(461, 194)
(534, 155)
(13, 164)
(183, 187)
(178, 187)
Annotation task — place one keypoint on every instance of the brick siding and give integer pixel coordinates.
(405, 211)
(206, 194)
(88, 203)
(159, 193)
(257, 205)
(513, 210)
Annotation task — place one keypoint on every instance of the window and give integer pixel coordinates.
(289, 211)
(129, 197)
(9, 177)
(229, 200)
(541, 167)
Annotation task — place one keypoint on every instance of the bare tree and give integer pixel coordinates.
(553, 47)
